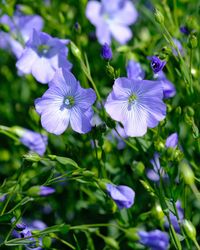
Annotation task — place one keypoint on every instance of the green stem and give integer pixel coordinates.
(126, 141)
(86, 226)
(64, 242)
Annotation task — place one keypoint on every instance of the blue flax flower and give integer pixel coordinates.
(111, 19)
(137, 104)
(156, 64)
(155, 240)
(42, 56)
(168, 88)
(123, 196)
(20, 30)
(106, 52)
(134, 70)
(34, 141)
(66, 102)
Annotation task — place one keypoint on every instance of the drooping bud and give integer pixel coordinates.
(159, 17)
(106, 52)
(189, 229)
(187, 173)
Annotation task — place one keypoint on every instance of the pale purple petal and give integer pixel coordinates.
(134, 70)
(79, 121)
(42, 70)
(121, 33)
(26, 61)
(93, 12)
(172, 141)
(103, 33)
(127, 15)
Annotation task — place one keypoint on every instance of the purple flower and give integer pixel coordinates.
(106, 52)
(168, 88)
(111, 19)
(66, 102)
(179, 47)
(134, 70)
(157, 171)
(44, 191)
(184, 30)
(137, 104)
(123, 196)
(156, 64)
(21, 28)
(42, 56)
(20, 226)
(34, 141)
(2, 197)
(174, 219)
(155, 240)
(172, 141)
(120, 143)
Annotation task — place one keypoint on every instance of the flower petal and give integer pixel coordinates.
(27, 59)
(79, 121)
(121, 33)
(103, 33)
(93, 12)
(42, 70)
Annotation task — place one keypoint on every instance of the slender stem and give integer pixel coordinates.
(86, 226)
(126, 141)
(64, 242)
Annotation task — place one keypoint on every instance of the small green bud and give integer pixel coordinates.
(88, 174)
(33, 191)
(157, 210)
(25, 9)
(111, 243)
(139, 168)
(190, 111)
(32, 157)
(187, 173)
(110, 71)
(159, 17)
(132, 234)
(75, 50)
(195, 131)
(46, 242)
(189, 229)
(178, 111)
(192, 41)
(102, 184)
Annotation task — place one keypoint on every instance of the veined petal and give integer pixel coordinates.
(42, 70)
(52, 97)
(122, 87)
(121, 33)
(55, 120)
(79, 121)
(65, 81)
(26, 61)
(84, 98)
(135, 121)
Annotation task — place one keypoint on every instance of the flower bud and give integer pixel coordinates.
(187, 173)
(111, 243)
(75, 50)
(190, 111)
(189, 229)
(132, 234)
(40, 190)
(192, 41)
(159, 17)
(106, 52)
(46, 242)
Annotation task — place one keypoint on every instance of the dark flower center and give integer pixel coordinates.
(43, 49)
(132, 98)
(69, 101)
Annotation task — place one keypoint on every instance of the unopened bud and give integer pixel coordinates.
(189, 229)
(111, 243)
(159, 17)
(75, 50)
(190, 111)
(132, 234)
(192, 41)
(46, 242)
(187, 173)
